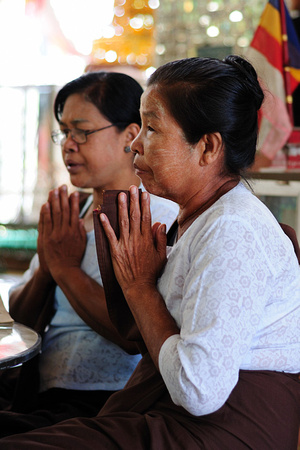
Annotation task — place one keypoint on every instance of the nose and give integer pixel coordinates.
(136, 145)
(70, 145)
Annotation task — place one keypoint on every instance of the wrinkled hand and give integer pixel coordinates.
(140, 253)
(62, 237)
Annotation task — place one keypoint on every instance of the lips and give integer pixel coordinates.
(72, 166)
(138, 169)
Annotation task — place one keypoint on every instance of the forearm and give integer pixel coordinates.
(87, 298)
(152, 317)
(27, 301)
(139, 256)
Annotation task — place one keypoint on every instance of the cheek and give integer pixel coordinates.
(168, 162)
(99, 156)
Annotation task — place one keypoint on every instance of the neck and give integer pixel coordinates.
(201, 201)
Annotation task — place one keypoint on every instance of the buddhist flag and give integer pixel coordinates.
(275, 54)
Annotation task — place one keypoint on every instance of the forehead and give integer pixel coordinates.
(153, 103)
(155, 108)
(77, 106)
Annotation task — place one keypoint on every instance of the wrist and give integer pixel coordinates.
(65, 274)
(138, 290)
(43, 276)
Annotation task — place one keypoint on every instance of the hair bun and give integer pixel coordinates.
(249, 76)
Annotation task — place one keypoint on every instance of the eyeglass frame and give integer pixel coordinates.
(55, 133)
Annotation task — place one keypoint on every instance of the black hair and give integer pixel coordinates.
(116, 95)
(207, 95)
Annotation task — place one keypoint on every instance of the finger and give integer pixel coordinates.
(82, 228)
(109, 232)
(123, 215)
(135, 212)
(40, 224)
(45, 223)
(40, 229)
(64, 206)
(50, 195)
(54, 201)
(145, 214)
(74, 209)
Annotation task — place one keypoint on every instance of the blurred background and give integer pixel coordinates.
(46, 43)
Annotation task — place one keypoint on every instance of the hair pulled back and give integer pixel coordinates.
(116, 95)
(207, 95)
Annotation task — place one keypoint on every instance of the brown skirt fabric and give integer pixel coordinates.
(52, 406)
(262, 412)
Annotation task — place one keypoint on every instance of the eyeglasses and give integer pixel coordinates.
(59, 137)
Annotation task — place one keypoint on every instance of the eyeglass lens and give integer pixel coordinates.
(59, 137)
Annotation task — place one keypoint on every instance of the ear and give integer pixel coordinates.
(211, 148)
(131, 133)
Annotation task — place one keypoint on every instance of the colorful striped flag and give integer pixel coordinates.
(275, 53)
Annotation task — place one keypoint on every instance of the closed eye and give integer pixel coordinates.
(82, 131)
(75, 131)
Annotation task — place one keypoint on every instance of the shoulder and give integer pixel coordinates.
(242, 206)
(83, 196)
(240, 222)
(85, 201)
(160, 202)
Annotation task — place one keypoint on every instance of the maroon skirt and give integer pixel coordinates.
(262, 412)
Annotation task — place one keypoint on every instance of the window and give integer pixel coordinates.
(29, 164)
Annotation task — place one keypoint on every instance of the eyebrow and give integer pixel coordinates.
(74, 122)
(150, 114)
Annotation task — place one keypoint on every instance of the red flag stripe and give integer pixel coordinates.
(263, 42)
(270, 22)
(277, 62)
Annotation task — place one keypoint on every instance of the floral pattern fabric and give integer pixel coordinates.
(232, 283)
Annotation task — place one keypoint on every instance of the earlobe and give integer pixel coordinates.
(212, 148)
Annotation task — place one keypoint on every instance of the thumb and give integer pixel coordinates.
(161, 240)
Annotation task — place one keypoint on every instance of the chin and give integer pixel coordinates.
(152, 188)
(78, 183)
